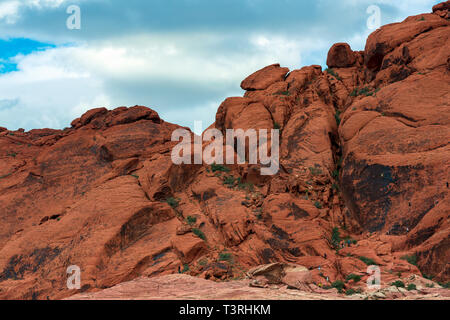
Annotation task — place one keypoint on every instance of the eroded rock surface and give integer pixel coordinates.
(363, 179)
(184, 287)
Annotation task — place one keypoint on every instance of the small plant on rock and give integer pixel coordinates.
(411, 286)
(315, 171)
(367, 261)
(318, 205)
(339, 285)
(173, 202)
(428, 276)
(225, 256)
(350, 292)
(219, 168)
(411, 259)
(354, 277)
(333, 73)
(335, 237)
(199, 233)
(191, 220)
(398, 284)
(203, 262)
(229, 181)
(185, 268)
(337, 116)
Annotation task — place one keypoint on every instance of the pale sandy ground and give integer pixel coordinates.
(184, 287)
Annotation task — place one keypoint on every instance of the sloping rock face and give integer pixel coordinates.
(184, 287)
(363, 179)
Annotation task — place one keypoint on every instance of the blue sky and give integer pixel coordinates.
(179, 57)
(10, 48)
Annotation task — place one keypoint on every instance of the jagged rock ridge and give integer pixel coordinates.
(364, 151)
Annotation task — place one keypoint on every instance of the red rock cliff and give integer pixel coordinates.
(364, 151)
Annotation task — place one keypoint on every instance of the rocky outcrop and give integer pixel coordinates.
(183, 287)
(265, 77)
(363, 180)
(341, 56)
(442, 9)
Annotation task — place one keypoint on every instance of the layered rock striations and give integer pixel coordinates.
(363, 179)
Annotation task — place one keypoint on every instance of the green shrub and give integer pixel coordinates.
(335, 173)
(354, 277)
(246, 186)
(364, 91)
(284, 93)
(191, 220)
(5, 176)
(199, 233)
(219, 168)
(428, 276)
(335, 237)
(411, 259)
(276, 126)
(337, 116)
(367, 261)
(445, 285)
(315, 171)
(185, 268)
(203, 262)
(225, 256)
(318, 205)
(173, 202)
(398, 284)
(339, 285)
(229, 181)
(350, 292)
(333, 73)
(411, 286)
(135, 176)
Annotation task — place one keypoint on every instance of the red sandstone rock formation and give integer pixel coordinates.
(364, 151)
(184, 287)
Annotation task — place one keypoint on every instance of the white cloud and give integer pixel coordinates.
(59, 84)
(9, 11)
(183, 74)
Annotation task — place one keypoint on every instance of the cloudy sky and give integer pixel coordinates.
(179, 57)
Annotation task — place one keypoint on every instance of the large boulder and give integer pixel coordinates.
(262, 79)
(340, 56)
